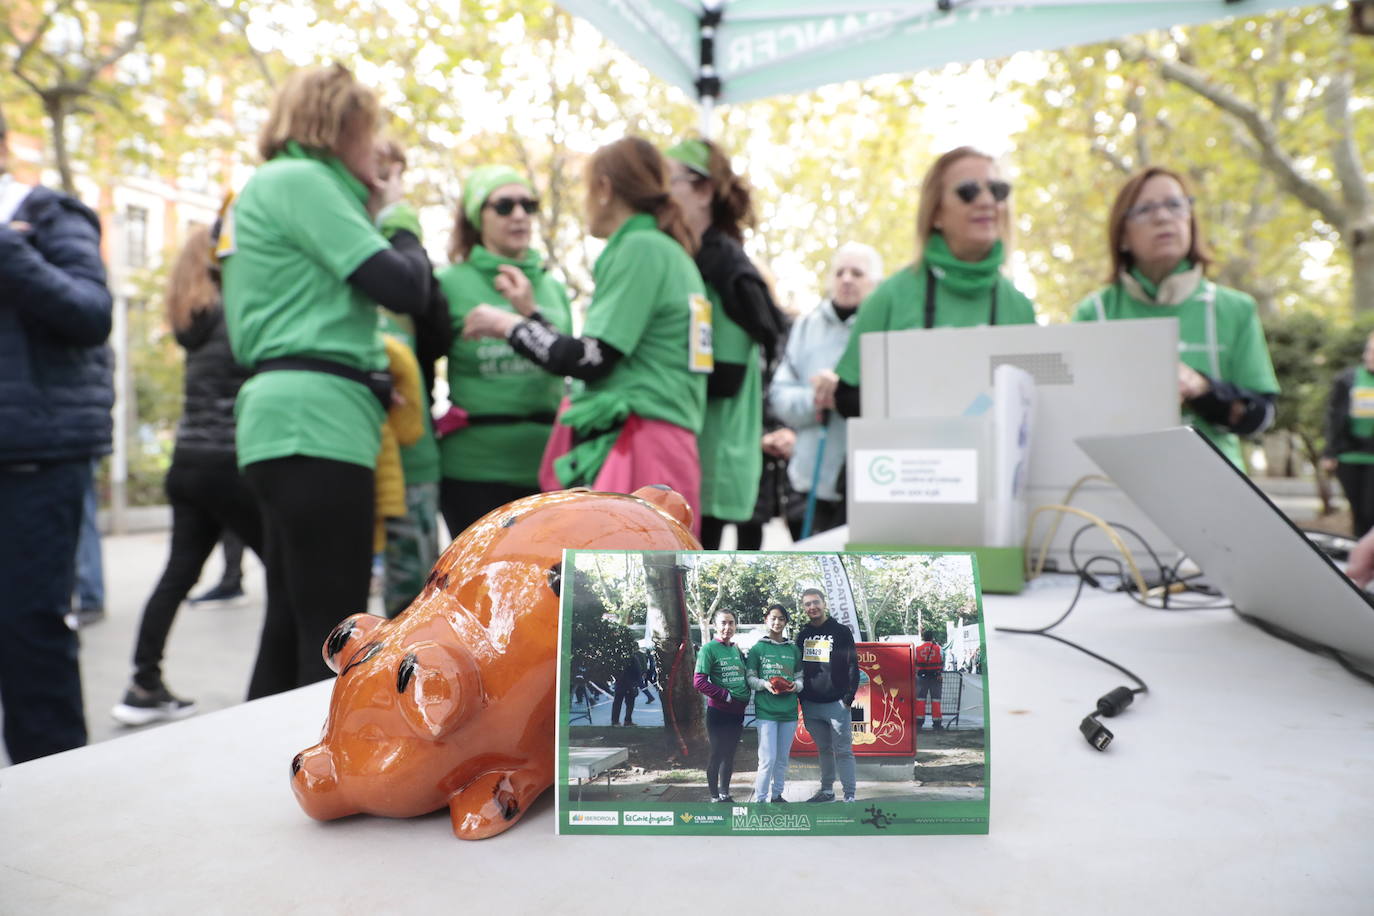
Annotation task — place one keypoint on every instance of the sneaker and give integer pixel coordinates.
(721, 798)
(822, 796)
(778, 799)
(728, 798)
(143, 707)
(84, 617)
(850, 798)
(219, 595)
(938, 727)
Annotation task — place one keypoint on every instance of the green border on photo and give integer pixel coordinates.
(878, 816)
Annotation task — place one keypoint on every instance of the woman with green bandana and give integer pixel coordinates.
(503, 403)
(744, 322)
(1226, 382)
(962, 225)
(1349, 451)
(304, 269)
(645, 351)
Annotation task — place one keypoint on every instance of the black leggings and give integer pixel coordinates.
(209, 500)
(463, 502)
(1357, 480)
(317, 519)
(724, 730)
(748, 535)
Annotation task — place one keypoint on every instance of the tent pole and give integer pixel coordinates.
(708, 81)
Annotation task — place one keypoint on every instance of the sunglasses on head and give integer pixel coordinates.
(505, 206)
(968, 191)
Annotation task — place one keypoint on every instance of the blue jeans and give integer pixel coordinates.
(90, 571)
(40, 680)
(775, 746)
(830, 727)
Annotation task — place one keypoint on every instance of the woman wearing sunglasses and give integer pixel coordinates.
(744, 321)
(1226, 382)
(962, 225)
(503, 404)
(645, 352)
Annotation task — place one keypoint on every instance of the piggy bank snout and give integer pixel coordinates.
(316, 784)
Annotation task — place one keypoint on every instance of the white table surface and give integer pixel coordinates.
(1243, 783)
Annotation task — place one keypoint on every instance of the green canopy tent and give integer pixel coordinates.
(738, 50)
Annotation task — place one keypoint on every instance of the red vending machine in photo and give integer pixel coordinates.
(884, 706)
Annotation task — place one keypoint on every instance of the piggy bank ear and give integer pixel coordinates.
(439, 687)
(667, 499)
(346, 638)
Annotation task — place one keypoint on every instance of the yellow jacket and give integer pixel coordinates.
(405, 424)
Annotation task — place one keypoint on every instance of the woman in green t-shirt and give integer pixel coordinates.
(304, 269)
(721, 676)
(744, 322)
(645, 351)
(962, 225)
(773, 666)
(503, 404)
(1226, 383)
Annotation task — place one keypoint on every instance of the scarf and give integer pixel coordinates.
(963, 278)
(1175, 289)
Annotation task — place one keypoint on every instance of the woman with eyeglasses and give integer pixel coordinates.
(962, 225)
(645, 350)
(1226, 381)
(744, 324)
(503, 404)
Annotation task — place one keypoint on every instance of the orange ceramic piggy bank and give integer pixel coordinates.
(452, 703)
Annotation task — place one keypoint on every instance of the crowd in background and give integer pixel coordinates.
(315, 325)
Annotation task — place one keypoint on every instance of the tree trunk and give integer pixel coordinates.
(55, 106)
(684, 729)
(1361, 240)
(1314, 455)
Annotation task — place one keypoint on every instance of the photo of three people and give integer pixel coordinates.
(782, 682)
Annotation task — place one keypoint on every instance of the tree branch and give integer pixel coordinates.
(1260, 130)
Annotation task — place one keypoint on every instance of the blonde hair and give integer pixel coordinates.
(191, 286)
(933, 190)
(315, 108)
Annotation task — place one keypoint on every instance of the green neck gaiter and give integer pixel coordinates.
(964, 278)
(488, 262)
(294, 150)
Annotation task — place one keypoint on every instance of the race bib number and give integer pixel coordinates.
(1362, 403)
(699, 355)
(226, 244)
(817, 649)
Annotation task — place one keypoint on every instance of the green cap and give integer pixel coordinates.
(694, 154)
(482, 182)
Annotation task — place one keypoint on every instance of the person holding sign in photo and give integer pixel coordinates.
(721, 675)
(830, 678)
(645, 351)
(774, 664)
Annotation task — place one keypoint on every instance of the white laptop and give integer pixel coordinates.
(1239, 539)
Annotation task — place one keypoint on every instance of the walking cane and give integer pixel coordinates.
(810, 515)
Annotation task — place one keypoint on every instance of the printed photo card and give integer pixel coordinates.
(728, 693)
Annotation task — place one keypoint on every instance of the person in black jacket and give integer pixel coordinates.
(830, 679)
(56, 391)
(1349, 451)
(207, 495)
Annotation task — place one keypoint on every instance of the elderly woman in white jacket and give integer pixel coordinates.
(816, 342)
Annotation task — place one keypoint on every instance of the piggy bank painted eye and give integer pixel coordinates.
(346, 639)
(439, 687)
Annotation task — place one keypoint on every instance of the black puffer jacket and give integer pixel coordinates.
(212, 383)
(56, 379)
